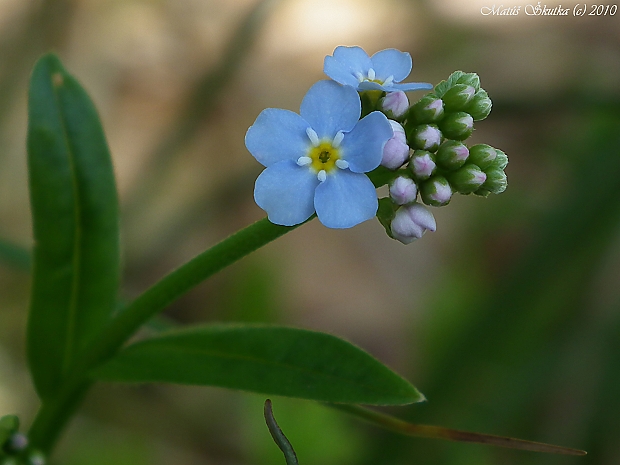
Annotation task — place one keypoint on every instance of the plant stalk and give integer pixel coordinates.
(55, 413)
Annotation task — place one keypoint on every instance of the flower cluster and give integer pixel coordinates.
(357, 132)
(440, 164)
(14, 445)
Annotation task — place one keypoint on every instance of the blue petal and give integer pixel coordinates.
(345, 199)
(409, 86)
(362, 148)
(330, 107)
(369, 85)
(354, 58)
(286, 192)
(391, 62)
(277, 135)
(405, 87)
(339, 72)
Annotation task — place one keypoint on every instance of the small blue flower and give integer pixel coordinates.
(315, 160)
(383, 71)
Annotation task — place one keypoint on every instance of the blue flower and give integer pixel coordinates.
(315, 160)
(383, 71)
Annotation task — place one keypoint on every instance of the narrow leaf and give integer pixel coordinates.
(266, 359)
(437, 432)
(75, 223)
(14, 256)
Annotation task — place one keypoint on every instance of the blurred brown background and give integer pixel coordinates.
(507, 318)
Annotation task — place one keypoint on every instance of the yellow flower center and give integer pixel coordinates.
(324, 157)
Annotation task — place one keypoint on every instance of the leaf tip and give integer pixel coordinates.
(57, 79)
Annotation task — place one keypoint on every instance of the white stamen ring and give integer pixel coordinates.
(389, 81)
(337, 139)
(322, 175)
(342, 164)
(371, 74)
(313, 136)
(303, 161)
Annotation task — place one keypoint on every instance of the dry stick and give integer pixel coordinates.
(438, 432)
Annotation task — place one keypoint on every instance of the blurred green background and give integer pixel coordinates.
(507, 318)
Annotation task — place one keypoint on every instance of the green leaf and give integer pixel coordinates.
(14, 255)
(266, 359)
(75, 223)
(9, 424)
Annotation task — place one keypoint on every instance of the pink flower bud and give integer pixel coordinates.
(396, 150)
(395, 104)
(422, 164)
(403, 190)
(411, 222)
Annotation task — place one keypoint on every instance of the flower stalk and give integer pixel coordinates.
(56, 412)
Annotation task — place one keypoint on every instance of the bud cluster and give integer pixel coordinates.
(437, 162)
(14, 445)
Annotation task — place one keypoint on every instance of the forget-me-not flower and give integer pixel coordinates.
(315, 161)
(383, 71)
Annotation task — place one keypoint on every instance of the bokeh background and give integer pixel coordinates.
(507, 318)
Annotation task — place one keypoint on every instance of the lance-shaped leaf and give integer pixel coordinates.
(265, 359)
(75, 223)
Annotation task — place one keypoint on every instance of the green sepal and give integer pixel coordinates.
(441, 88)
(482, 155)
(452, 154)
(429, 109)
(480, 106)
(457, 126)
(381, 176)
(482, 192)
(370, 101)
(458, 97)
(501, 160)
(466, 179)
(385, 214)
(496, 181)
(429, 191)
(471, 79)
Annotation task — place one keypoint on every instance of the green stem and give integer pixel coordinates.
(56, 412)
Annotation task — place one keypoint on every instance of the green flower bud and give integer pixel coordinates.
(436, 191)
(457, 126)
(451, 155)
(480, 106)
(422, 165)
(482, 192)
(36, 458)
(428, 109)
(458, 97)
(501, 160)
(471, 79)
(425, 137)
(9, 424)
(496, 181)
(482, 155)
(467, 179)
